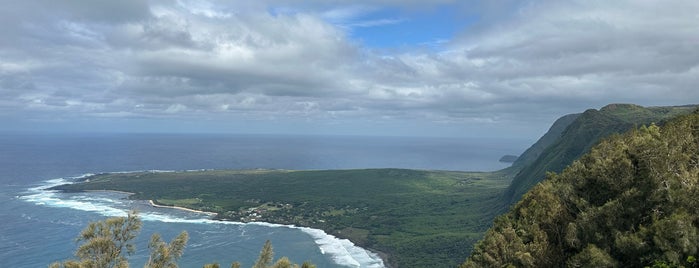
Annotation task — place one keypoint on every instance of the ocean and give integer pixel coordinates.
(39, 226)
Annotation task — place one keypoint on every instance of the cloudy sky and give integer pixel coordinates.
(384, 67)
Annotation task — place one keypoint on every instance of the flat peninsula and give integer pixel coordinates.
(407, 214)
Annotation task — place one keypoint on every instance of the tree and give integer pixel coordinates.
(284, 263)
(105, 243)
(307, 264)
(266, 256)
(630, 201)
(164, 255)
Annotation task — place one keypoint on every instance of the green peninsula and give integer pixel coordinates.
(416, 216)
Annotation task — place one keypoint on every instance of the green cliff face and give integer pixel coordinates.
(630, 201)
(552, 135)
(573, 135)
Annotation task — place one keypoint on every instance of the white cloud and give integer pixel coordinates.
(212, 59)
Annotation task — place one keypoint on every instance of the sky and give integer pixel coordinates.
(497, 68)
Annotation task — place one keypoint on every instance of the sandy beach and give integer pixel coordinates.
(152, 203)
(181, 208)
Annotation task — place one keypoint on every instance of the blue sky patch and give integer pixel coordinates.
(396, 28)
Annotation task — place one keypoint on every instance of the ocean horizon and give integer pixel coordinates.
(41, 225)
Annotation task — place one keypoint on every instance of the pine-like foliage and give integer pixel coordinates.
(630, 202)
(105, 244)
(164, 255)
(266, 256)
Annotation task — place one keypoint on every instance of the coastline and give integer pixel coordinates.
(382, 255)
(153, 204)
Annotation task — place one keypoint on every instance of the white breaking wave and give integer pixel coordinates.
(40, 195)
(341, 251)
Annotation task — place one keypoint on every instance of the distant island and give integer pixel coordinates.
(508, 158)
(420, 218)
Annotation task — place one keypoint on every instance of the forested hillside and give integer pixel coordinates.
(551, 136)
(579, 136)
(631, 201)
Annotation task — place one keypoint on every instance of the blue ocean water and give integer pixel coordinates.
(38, 227)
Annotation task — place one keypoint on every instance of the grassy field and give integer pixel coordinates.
(420, 218)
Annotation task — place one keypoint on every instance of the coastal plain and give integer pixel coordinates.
(415, 218)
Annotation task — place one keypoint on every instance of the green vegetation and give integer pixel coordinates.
(420, 218)
(631, 201)
(165, 255)
(107, 243)
(508, 158)
(578, 136)
(552, 135)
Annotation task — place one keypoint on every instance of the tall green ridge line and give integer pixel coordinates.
(629, 202)
(586, 130)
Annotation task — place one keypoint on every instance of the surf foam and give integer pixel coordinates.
(342, 251)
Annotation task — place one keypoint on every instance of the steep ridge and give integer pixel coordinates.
(552, 135)
(629, 202)
(579, 136)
